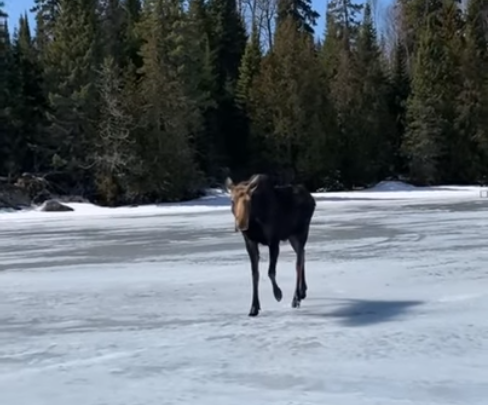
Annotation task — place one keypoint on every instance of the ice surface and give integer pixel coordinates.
(148, 306)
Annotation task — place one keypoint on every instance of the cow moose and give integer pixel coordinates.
(266, 214)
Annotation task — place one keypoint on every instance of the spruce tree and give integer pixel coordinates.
(301, 11)
(168, 117)
(398, 95)
(288, 106)
(472, 100)
(430, 135)
(204, 84)
(227, 43)
(131, 14)
(372, 146)
(47, 11)
(31, 143)
(249, 68)
(341, 68)
(70, 63)
(112, 30)
(6, 69)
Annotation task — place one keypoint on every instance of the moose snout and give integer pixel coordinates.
(241, 225)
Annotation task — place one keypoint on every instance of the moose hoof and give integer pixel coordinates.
(277, 294)
(295, 303)
(254, 311)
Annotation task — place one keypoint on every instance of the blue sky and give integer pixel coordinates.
(16, 7)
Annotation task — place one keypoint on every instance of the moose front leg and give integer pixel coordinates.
(274, 251)
(253, 251)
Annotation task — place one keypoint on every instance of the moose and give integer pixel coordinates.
(266, 213)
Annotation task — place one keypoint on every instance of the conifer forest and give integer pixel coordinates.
(135, 101)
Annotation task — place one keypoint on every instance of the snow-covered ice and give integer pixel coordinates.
(148, 305)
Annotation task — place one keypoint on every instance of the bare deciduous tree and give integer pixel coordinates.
(391, 26)
(113, 156)
(260, 14)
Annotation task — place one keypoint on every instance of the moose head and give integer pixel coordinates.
(240, 195)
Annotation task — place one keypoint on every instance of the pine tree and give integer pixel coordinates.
(430, 135)
(301, 11)
(227, 44)
(472, 100)
(47, 11)
(130, 18)
(6, 69)
(204, 87)
(70, 62)
(344, 13)
(341, 68)
(112, 30)
(31, 147)
(398, 96)
(167, 123)
(372, 148)
(288, 106)
(249, 68)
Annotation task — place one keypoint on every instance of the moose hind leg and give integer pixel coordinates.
(298, 246)
(253, 251)
(274, 251)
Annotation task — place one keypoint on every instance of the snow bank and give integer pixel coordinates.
(393, 186)
(398, 190)
(214, 200)
(218, 200)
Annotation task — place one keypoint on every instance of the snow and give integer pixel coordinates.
(393, 186)
(148, 305)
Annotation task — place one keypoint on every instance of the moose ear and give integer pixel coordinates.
(229, 184)
(253, 185)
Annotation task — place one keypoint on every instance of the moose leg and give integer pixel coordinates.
(253, 251)
(298, 246)
(274, 251)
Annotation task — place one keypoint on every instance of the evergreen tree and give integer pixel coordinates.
(47, 11)
(204, 85)
(31, 148)
(398, 96)
(131, 14)
(344, 81)
(227, 43)
(343, 17)
(248, 72)
(472, 100)
(301, 11)
(70, 65)
(168, 122)
(430, 135)
(249, 68)
(289, 109)
(112, 30)
(6, 69)
(373, 149)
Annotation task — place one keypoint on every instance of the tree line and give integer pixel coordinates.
(148, 100)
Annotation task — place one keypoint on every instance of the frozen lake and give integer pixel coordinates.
(148, 306)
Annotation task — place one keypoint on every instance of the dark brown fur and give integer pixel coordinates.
(267, 214)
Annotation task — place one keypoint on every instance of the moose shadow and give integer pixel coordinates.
(359, 312)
